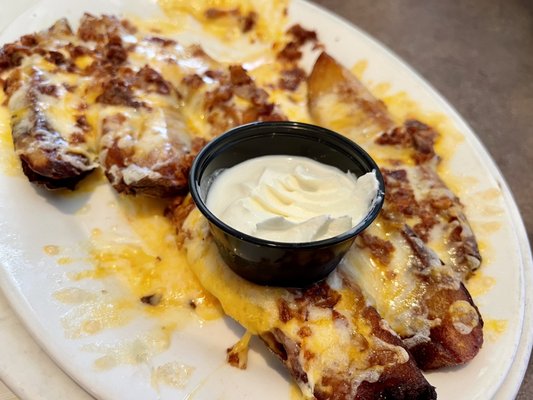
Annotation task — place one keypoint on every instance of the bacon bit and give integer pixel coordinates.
(428, 221)
(81, 122)
(77, 138)
(442, 203)
(100, 29)
(232, 358)
(11, 55)
(248, 22)
(308, 355)
(152, 299)
(79, 51)
(12, 83)
(305, 331)
(150, 80)
(320, 295)
(423, 141)
(117, 92)
(55, 57)
(115, 53)
(285, 313)
(337, 316)
(291, 79)
(291, 52)
(390, 176)
(397, 136)
(301, 34)
(48, 90)
(217, 96)
(194, 81)
(381, 249)
(239, 76)
(415, 135)
(31, 40)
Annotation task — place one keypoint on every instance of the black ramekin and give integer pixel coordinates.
(263, 261)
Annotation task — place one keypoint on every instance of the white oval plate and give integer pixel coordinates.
(32, 219)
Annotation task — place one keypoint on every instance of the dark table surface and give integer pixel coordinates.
(479, 55)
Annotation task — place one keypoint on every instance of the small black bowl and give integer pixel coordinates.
(275, 263)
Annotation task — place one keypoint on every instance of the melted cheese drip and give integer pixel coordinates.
(153, 265)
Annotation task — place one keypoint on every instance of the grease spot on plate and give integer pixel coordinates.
(136, 351)
(173, 374)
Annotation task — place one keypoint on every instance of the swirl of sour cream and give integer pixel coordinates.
(290, 199)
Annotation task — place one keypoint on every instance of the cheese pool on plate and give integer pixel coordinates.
(290, 198)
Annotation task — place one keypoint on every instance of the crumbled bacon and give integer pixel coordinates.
(83, 124)
(239, 76)
(397, 136)
(423, 140)
(381, 249)
(291, 52)
(48, 89)
(29, 40)
(302, 35)
(115, 53)
(194, 81)
(79, 51)
(118, 92)
(290, 79)
(305, 331)
(11, 55)
(55, 57)
(152, 299)
(441, 203)
(12, 83)
(399, 196)
(398, 175)
(415, 135)
(285, 313)
(248, 22)
(219, 95)
(150, 80)
(100, 29)
(427, 221)
(319, 295)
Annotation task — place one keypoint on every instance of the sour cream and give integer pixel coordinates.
(290, 198)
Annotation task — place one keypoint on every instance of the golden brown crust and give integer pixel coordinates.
(46, 155)
(369, 114)
(448, 346)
